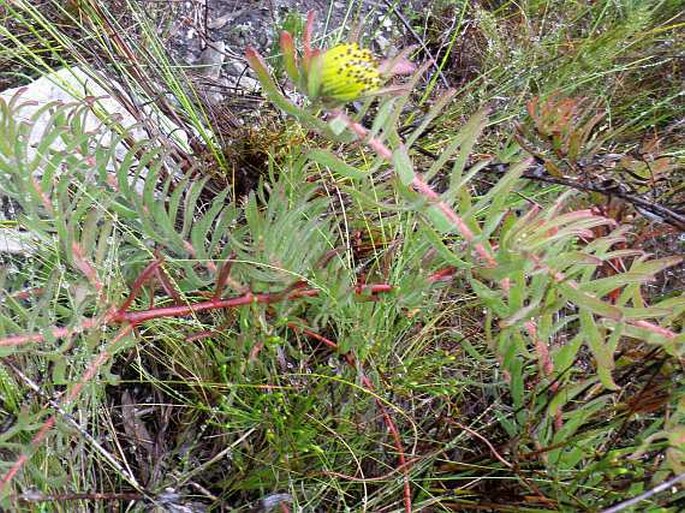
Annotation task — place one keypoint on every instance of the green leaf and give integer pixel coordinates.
(602, 349)
(468, 136)
(440, 220)
(437, 241)
(335, 164)
(589, 302)
(199, 235)
(288, 54)
(565, 356)
(403, 165)
(383, 120)
(491, 298)
(338, 125)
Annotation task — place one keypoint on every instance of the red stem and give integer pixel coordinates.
(122, 316)
(139, 316)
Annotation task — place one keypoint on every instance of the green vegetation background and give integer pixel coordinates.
(549, 381)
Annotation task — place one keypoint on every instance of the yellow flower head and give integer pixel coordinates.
(348, 72)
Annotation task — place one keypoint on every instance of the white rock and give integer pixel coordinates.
(70, 85)
(15, 241)
(104, 114)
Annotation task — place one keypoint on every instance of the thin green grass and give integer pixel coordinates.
(596, 51)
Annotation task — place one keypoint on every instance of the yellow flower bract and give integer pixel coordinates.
(348, 72)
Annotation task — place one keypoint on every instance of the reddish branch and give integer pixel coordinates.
(124, 316)
(18, 340)
(136, 317)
